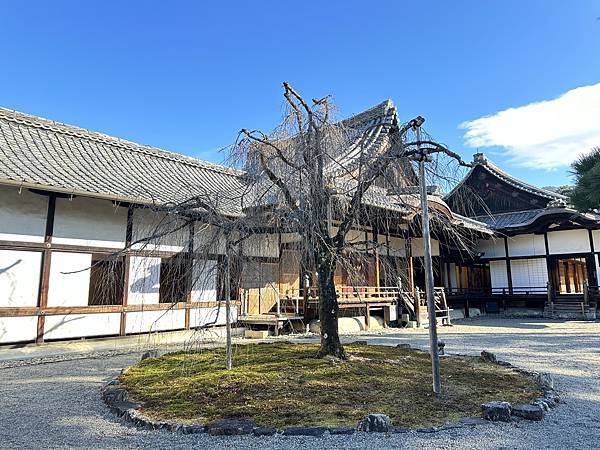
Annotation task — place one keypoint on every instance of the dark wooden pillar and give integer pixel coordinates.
(126, 267)
(508, 268)
(190, 274)
(45, 273)
(592, 272)
(551, 287)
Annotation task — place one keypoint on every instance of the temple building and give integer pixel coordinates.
(544, 254)
(83, 252)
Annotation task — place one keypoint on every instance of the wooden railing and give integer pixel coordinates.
(504, 291)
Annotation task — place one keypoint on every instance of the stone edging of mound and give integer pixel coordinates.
(117, 400)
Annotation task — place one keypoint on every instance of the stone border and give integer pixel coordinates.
(117, 400)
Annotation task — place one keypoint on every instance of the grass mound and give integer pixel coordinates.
(284, 384)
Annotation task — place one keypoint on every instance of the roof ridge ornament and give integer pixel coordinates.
(557, 203)
(479, 158)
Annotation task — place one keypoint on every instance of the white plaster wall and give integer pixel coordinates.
(17, 329)
(144, 279)
(265, 245)
(491, 248)
(89, 222)
(529, 272)
(526, 245)
(69, 289)
(569, 241)
(208, 239)
(146, 321)
(597, 266)
(19, 277)
(204, 283)
(596, 238)
(147, 223)
(23, 216)
(79, 325)
(498, 275)
(417, 247)
(395, 245)
(453, 281)
(211, 316)
(290, 237)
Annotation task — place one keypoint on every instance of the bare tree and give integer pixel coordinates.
(314, 170)
(319, 180)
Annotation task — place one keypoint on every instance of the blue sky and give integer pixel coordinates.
(187, 75)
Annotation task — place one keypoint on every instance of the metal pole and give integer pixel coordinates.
(227, 288)
(429, 284)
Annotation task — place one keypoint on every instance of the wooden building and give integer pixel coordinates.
(79, 255)
(544, 254)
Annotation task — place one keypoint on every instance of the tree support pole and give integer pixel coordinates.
(227, 289)
(429, 283)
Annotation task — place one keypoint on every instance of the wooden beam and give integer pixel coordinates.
(22, 311)
(45, 272)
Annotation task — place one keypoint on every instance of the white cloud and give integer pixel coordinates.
(547, 134)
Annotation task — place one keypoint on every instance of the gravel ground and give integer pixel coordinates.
(57, 404)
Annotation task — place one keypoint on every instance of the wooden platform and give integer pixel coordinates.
(267, 319)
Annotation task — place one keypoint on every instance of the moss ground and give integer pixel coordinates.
(284, 384)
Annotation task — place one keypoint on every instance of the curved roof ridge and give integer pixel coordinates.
(480, 160)
(83, 133)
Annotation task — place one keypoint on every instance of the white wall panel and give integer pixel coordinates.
(89, 222)
(526, 245)
(569, 241)
(498, 275)
(146, 321)
(529, 272)
(69, 289)
(417, 247)
(208, 239)
(17, 329)
(265, 245)
(148, 223)
(596, 238)
(144, 279)
(395, 245)
(23, 216)
(19, 277)
(211, 316)
(453, 281)
(80, 325)
(204, 282)
(491, 248)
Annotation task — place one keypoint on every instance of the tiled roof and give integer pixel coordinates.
(36, 152)
(479, 160)
(370, 132)
(506, 221)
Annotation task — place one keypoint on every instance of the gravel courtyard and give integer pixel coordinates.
(57, 405)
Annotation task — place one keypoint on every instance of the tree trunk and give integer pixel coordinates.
(328, 309)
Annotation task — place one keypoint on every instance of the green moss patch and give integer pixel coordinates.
(284, 384)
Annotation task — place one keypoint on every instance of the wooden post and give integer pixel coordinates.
(126, 268)
(227, 289)
(586, 293)
(429, 283)
(190, 274)
(550, 296)
(508, 268)
(417, 296)
(46, 261)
